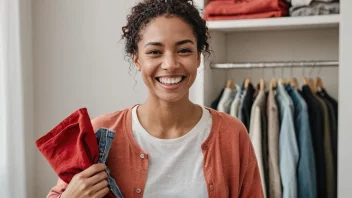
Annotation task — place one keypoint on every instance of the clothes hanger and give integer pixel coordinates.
(311, 81)
(261, 84)
(273, 84)
(247, 82)
(319, 82)
(294, 83)
(304, 79)
(282, 79)
(230, 84)
(312, 85)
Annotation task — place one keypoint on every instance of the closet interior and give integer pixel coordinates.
(288, 50)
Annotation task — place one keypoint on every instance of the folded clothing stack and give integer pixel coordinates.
(245, 9)
(314, 7)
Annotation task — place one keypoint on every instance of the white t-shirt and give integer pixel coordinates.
(175, 165)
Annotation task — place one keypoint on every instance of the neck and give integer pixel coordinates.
(168, 119)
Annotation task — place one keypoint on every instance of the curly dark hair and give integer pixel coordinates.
(145, 11)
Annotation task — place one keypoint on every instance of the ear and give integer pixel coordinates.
(136, 63)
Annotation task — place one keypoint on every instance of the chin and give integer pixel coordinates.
(172, 98)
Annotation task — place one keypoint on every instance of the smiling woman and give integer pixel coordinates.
(169, 146)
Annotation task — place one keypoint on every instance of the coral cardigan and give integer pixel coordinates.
(230, 166)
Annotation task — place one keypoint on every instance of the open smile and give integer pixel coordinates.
(170, 82)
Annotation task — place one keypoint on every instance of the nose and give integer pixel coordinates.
(170, 62)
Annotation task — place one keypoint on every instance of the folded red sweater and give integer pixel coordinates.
(245, 9)
(71, 146)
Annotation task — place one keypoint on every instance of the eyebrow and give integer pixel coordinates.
(160, 44)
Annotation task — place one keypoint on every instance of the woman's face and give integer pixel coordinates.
(168, 58)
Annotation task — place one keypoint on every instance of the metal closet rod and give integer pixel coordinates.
(246, 65)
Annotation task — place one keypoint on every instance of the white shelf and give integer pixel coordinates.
(283, 23)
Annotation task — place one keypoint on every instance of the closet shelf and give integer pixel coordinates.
(283, 23)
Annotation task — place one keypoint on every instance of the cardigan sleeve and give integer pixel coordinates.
(57, 190)
(251, 185)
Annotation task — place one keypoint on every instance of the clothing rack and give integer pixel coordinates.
(291, 64)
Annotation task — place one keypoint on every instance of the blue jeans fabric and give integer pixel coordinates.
(288, 149)
(306, 173)
(104, 138)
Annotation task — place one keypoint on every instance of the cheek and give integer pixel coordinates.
(191, 66)
(149, 67)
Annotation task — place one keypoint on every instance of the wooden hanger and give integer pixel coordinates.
(282, 81)
(319, 84)
(273, 84)
(312, 85)
(294, 83)
(247, 82)
(261, 84)
(230, 84)
(305, 81)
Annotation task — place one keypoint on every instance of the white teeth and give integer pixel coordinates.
(168, 81)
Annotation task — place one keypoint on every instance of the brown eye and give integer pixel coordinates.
(154, 52)
(184, 51)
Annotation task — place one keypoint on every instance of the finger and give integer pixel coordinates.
(101, 193)
(99, 186)
(97, 178)
(92, 170)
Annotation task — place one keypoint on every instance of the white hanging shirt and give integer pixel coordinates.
(175, 165)
(226, 99)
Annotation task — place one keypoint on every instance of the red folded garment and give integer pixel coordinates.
(71, 146)
(245, 9)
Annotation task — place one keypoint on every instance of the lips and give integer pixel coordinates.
(170, 80)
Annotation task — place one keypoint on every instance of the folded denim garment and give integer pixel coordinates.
(104, 138)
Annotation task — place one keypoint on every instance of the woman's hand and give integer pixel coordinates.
(90, 183)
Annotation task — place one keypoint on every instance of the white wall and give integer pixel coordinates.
(78, 62)
(28, 92)
(345, 107)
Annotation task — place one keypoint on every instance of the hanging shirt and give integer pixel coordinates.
(273, 146)
(255, 134)
(174, 162)
(240, 107)
(265, 150)
(316, 122)
(214, 104)
(329, 165)
(333, 119)
(246, 107)
(306, 173)
(226, 99)
(287, 144)
(334, 104)
(332, 130)
(236, 102)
